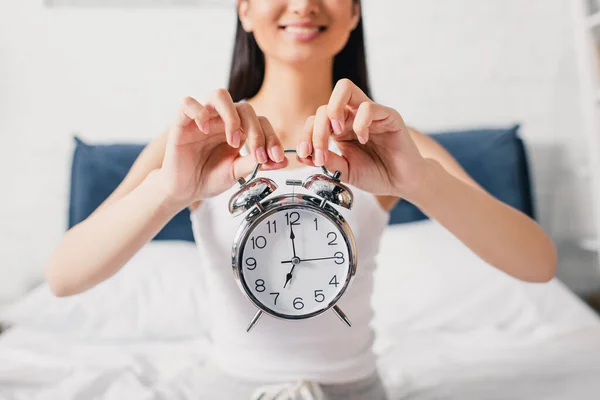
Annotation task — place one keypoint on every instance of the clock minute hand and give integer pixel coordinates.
(292, 236)
(311, 259)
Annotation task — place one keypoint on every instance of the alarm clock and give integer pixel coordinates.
(294, 255)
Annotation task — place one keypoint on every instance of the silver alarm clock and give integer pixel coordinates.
(294, 255)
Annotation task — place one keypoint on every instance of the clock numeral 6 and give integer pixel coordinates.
(319, 296)
(260, 285)
(298, 304)
(251, 263)
(259, 241)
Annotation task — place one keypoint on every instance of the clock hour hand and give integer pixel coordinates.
(288, 277)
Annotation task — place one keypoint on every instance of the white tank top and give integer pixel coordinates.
(322, 348)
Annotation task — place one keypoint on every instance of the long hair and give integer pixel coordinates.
(248, 63)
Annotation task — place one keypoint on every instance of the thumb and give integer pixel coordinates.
(335, 162)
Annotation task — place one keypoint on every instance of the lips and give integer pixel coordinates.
(302, 32)
(303, 29)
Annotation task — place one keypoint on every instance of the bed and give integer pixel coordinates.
(448, 325)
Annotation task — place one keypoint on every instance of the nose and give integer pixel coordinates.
(304, 7)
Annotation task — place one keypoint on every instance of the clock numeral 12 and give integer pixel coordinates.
(292, 218)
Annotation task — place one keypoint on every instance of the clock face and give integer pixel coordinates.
(295, 262)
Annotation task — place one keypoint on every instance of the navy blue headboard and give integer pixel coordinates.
(495, 158)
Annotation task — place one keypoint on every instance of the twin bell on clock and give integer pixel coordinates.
(294, 254)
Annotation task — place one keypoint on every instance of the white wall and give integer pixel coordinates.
(118, 75)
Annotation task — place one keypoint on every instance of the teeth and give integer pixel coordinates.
(301, 29)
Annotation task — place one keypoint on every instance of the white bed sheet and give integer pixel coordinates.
(481, 366)
(421, 365)
(36, 366)
(450, 327)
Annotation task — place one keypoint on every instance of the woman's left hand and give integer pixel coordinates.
(378, 154)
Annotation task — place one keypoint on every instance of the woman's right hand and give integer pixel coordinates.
(202, 156)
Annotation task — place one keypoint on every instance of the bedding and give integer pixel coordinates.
(422, 366)
(156, 295)
(447, 325)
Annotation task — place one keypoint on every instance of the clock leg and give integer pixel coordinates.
(342, 316)
(254, 320)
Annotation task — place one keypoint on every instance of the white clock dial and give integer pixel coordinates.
(295, 262)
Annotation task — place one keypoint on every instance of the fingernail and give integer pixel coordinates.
(362, 139)
(205, 127)
(318, 160)
(277, 154)
(303, 149)
(261, 155)
(235, 139)
(337, 127)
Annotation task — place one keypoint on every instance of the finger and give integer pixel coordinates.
(274, 147)
(320, 139)
(306, 161)
(345, 93)
(243, 166)
(367, 114)
(363, 120)
(304, 148)
(191, 110)
(336, 162)
(254, 132)
(225, 107)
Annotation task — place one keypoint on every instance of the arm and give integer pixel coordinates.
(149, 159)
(376, 143)
(496, 232)
(178, 169)
(94, 249)
(98, 247)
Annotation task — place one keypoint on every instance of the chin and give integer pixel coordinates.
(304, 54)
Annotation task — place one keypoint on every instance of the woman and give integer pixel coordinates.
(298, 81)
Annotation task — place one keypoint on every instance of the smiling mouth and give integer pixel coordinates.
(302, 29)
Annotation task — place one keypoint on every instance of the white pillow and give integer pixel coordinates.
(156, 295)
(427, 279)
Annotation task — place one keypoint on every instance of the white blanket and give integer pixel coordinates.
(484, 367)
(425, 365)
(449, 325)
(36, 366)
